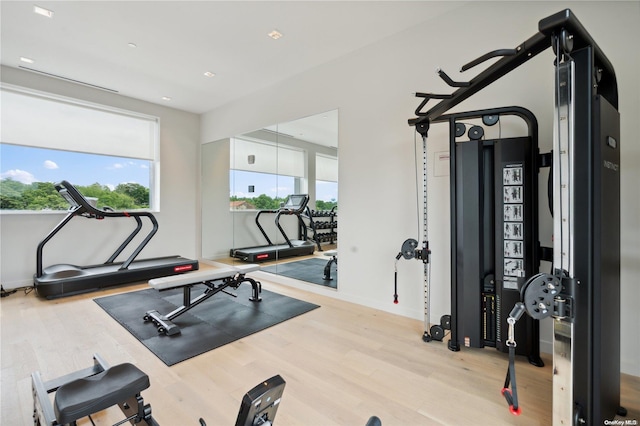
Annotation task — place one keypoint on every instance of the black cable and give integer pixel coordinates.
(511, 395)
(6, 293)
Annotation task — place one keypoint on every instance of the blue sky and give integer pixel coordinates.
(27, 165)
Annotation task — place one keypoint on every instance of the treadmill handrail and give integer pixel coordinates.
(284, 234)
(257, 219)
(283, 210)
(80, 206)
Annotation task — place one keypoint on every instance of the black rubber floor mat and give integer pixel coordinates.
(309, 270)
(215, 322)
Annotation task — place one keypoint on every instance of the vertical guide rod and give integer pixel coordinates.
(563, 328)
(425, 238)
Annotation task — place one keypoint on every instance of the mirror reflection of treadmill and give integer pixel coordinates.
(293, 205)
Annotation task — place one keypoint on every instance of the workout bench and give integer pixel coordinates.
(327, 267)
(89, 391)
(216, 280)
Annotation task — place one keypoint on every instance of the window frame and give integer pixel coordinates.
(153, 142)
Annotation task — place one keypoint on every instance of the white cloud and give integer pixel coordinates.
(19, 176)
(111, 186)
(118, 166)
(48, 164)
(281, 191)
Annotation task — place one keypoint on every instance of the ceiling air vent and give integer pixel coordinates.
(68, 79)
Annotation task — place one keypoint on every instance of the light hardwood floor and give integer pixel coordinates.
(342, 364)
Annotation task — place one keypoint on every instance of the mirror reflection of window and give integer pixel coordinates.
(326, 182)
(262, 173)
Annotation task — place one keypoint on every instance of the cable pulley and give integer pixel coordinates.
(538, 295)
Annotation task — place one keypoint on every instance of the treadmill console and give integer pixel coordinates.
(296, 203)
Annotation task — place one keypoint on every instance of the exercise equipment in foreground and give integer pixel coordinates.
(293, 206)
(260, 404)
(66, 279)
(215, 280)
(83, 393)
(586, 214)
(89, 391)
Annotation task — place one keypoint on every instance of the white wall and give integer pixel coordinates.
(86, 242)
(373, 90)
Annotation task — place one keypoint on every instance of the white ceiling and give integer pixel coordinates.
(177, 41)
(321, 129)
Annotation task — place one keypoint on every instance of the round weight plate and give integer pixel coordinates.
(445, 322)
(539, 292)
(475, 133)
(460, 129)
(437, 333)
(490, 120)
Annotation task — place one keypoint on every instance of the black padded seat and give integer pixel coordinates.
(89, 395)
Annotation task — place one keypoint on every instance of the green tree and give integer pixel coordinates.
(326, 205)
(8, 202)
(139, 193)
(264, 202)
(43, 196)
(117, 201)
(11, 194)
(12, 188)
(108, 198)
(95, 190)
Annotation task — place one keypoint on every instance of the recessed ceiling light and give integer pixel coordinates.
(275, 34)
(27, 60)
(133, 45)
(42, 11)
(166, 98)
(209, 74)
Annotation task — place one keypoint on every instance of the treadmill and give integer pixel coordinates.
(294, 205)
(66, 279)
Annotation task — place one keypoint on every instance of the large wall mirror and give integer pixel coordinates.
(270, 196)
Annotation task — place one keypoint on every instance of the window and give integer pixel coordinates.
(263, 174)
(46, 138)
(326, 182)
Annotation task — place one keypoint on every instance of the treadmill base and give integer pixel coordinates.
(66, 280)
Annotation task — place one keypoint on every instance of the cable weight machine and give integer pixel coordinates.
(582, 293)
(494, 230)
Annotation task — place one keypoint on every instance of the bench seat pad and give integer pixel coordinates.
(89, 395)
(200, 276)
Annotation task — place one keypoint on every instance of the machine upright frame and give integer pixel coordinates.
(586, 312)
